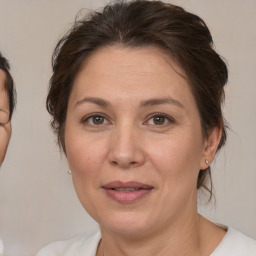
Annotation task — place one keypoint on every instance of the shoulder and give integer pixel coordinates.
(79, 245)
(235, 243)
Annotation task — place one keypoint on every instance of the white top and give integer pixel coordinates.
(1, 247)
(234, 243)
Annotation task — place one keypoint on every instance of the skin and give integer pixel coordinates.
(5, 129)
(128, 144)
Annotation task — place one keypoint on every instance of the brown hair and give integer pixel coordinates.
(182, 35)
(8, 84)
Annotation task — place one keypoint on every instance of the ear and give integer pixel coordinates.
(210, 147)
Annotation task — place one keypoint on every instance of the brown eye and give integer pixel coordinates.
(159, 120)
(95, 120)
(98, 120)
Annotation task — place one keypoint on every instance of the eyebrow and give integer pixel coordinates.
(146, 103)
(97, 101)
(160, 101)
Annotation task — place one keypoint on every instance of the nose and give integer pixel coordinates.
(126, 150)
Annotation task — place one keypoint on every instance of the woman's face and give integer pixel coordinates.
(5, 126)
(134, 141)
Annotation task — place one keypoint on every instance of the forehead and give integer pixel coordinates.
(115, 66)
(145, 55)
(125, 75)
(118, 65)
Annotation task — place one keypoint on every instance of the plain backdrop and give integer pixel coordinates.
(37, 200)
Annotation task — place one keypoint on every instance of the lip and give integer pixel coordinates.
(135, 191)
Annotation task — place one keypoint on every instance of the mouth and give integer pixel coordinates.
(127, 192)
(126, 189)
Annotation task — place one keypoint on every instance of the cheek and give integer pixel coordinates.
(85, 158)
(177, 159)
(178, 167)
(2, 150)
(82, 156)
(5, 134)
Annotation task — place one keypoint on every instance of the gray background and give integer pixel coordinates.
(37, 200)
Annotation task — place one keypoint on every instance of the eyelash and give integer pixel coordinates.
(167, 118)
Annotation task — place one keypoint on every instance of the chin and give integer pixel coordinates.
(127, 224)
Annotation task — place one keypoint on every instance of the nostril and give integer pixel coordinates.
(114, 162)
(123, 164)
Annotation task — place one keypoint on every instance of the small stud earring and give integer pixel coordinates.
(206, 161)
(69, 172)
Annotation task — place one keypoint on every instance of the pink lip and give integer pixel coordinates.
(129, 196)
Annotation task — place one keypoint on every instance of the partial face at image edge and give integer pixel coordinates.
(5, 124)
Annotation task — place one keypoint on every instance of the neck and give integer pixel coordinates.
(182, 239)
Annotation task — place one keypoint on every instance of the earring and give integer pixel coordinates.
(69, 172)
(206, 161)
